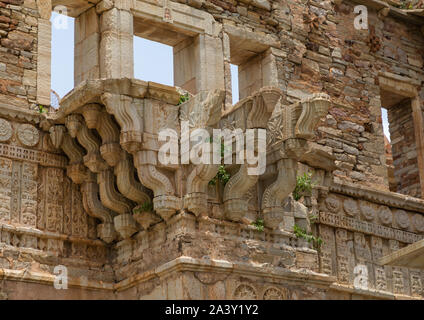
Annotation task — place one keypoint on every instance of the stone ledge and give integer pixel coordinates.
(411, 256)
(90, 91)
(182, 264)
(48, 279)
(382, 197)
(371, 292)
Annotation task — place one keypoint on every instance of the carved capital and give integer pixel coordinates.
(146, 218)
(91, 113)
(125, 225)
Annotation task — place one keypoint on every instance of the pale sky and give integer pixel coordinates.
(152, 61)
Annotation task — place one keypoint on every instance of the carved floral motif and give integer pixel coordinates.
(418, 222)
(402, 219)
(385, 215)
(274, 294)
(28, 135)
(5, 130)
(245, 292)
(333, 204)
(367, 210)
(351, 208)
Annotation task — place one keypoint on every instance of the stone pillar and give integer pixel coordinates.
(44, 53)
(227, 71)
(198, 64)
(116, 44)
(87, 45)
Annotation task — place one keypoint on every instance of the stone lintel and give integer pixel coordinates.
(411, 256)
(90, 91)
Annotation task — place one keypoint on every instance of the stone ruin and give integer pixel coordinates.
(82, 186)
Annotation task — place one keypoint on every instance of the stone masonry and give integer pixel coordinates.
(83, 187)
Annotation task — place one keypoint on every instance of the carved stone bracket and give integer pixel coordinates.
(93, 206)
(202, 111)
(128, 118)
(274, 196)
(259, 109)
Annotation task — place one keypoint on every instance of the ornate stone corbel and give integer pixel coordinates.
(91, 113)
(88, 140)
(313, 109)
(61, 139)
(128, 118)
(260, 108)
(165, 202)
(202, 111)
(92, 205)
(125, 180)
(274, 196)
(113, 200)
(196, 199)
(235, 206)
(109, 132)
(56, 135)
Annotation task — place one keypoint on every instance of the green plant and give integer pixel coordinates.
(222, 176)
(184, 98)
(41, 109)
(302, 233)
(259, 225)
(147, 206)
(303, 184)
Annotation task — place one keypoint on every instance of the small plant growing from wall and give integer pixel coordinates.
(223, 176)
(41, 109)
(184, 98)
(303, 185)
(308, 236)
(259, 225)
(145, 207)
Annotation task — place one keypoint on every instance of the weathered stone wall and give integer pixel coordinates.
(404, 149)
(18, 58)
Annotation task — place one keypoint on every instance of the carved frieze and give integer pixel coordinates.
(368, 228)
(5, 130)
(28, 135)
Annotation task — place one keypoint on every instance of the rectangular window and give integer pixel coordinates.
(62, 57)
(153, 61)
(235, 83)
(401, 147)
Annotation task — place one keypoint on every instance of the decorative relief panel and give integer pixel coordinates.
(364, 233)
(274, 294)
(60, 207)
(5, 189)
(245, 292)
(5, 130)
(28, 135)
